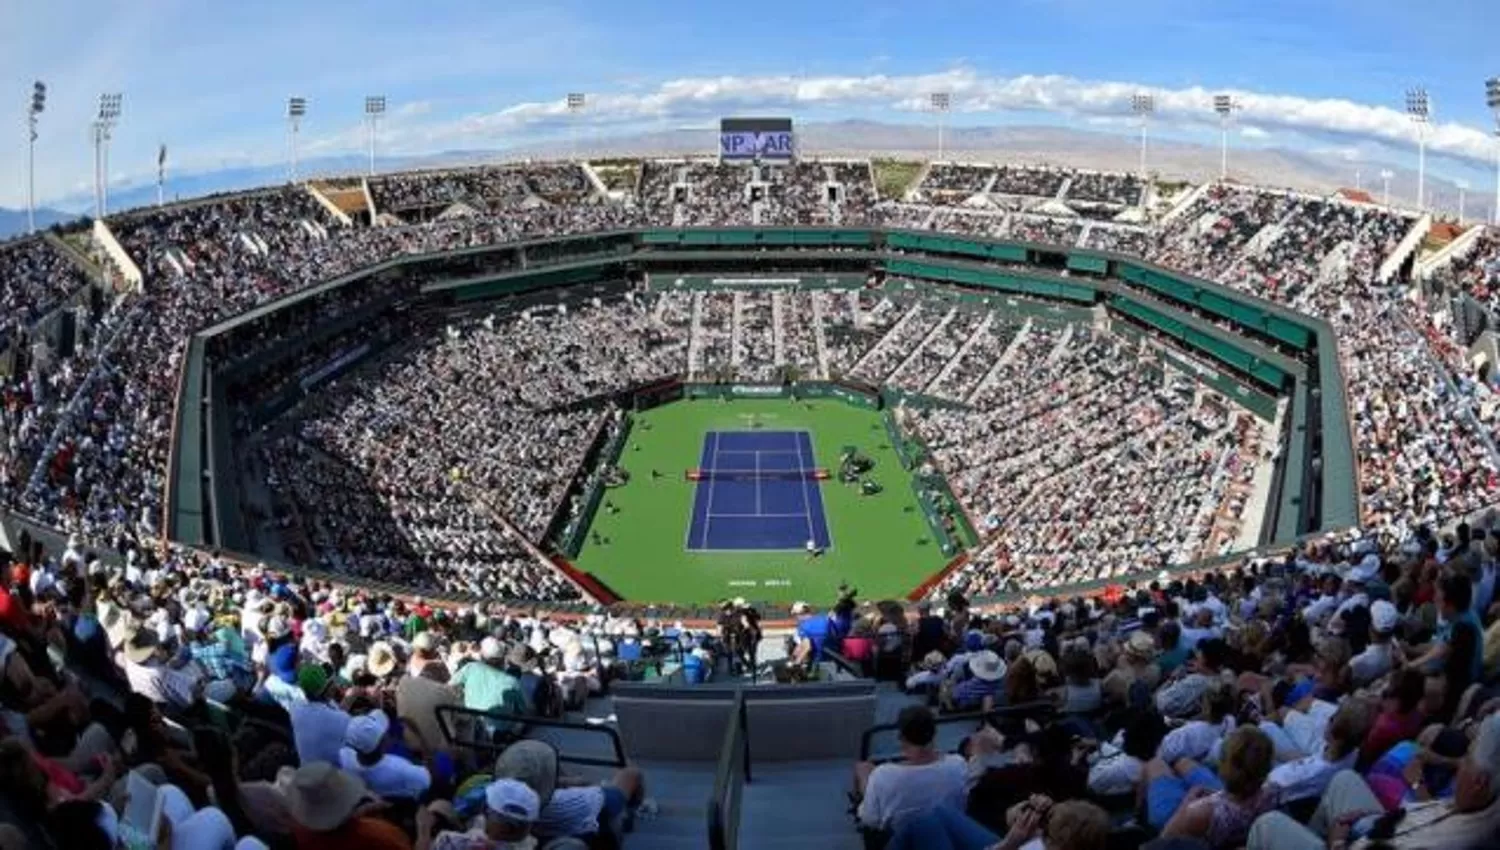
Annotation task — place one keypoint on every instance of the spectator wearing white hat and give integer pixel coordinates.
(510, 809)
(365, 755)
(1377, 659)
(981, 688)
(486, 685)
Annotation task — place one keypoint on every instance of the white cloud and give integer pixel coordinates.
(1092, 101)
(423, 126)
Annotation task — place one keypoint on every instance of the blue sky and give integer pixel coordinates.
(210, 79)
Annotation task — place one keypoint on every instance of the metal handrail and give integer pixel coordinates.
(489, 746)
(978, 718)
(730, 778)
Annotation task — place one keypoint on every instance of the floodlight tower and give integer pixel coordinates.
(296, 110)
(940, 101)
(161, 174)
(374, 111)
(1143, 105)
(35, 108)
(1225, 106)
(1492, 100)
(1385, 178)
(577, 101)
(1463, 186)
(109, 115)
(1419, 107)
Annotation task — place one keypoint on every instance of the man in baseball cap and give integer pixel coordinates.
(510, 809)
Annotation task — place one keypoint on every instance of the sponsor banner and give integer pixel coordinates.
(755, 138)
(757, 390)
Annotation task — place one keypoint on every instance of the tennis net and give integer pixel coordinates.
(817, 474)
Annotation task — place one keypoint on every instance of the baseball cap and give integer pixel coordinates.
(366, 731)
(512, 800)
(1384, 617)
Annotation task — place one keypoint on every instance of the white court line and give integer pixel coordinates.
(806, 502)
(708, 509)
(757, 483)
(760, 516)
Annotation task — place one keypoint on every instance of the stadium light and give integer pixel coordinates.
(576, 103)
(296, 110)
(1385, 177)
(161, 174)
(1143, 105)
(108, 116)
(940, 101)
(36, 107)
(1225, 106)
(1419, 107)
(1463, 186)
(1492, 100)
(374, 111)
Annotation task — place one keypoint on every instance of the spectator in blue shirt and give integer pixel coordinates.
(812, 634)
(980, 689)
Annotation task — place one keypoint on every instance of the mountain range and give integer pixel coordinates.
(1315, 172)
(13, 222)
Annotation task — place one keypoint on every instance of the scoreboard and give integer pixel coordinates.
(755, 138)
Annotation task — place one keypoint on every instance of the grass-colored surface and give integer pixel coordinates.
(894, 176)
(881, 543)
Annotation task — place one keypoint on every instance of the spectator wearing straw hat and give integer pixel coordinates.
(980, 690)
(333, 811)
(149, 674)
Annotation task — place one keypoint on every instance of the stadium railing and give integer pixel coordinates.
(976, 719)
(730, 779)
(488, 742)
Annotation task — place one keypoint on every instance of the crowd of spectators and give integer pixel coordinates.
(35, 277)
(949, 184)
(482, 189)
(1086, 465)
(1423, 455)
(1341, 694)
(184, 701)
(699, 193)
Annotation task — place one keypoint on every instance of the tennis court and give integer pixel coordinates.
(757, 491)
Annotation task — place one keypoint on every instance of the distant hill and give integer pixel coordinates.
(1178, 160)
(13, 222)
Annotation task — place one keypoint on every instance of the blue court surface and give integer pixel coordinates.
(758, 493)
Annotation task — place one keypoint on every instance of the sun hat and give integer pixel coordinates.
(512, 800)
(365, 732)
(533, 763)
(117, 623)
(381, 660)
(986, 665)
(141, 643)
(1141, 645)
(321, 797)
